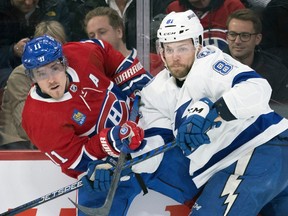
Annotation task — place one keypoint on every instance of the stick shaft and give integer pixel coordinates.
(105, 208)
(69, 188)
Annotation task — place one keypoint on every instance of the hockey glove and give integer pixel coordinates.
(193, 131)
(98, 178)
(126, 138)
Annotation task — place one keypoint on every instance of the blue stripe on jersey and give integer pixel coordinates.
(166, 134)
(127, 62)
(83, 165)
(259, 126)
(245, 76)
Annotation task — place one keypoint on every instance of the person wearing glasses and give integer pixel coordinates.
(230, 142)
(243, 36)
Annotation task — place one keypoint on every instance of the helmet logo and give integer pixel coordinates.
(41, 59)
(169, 21)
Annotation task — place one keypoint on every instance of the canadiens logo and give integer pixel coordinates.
(73, 88)
(78, 117)
(124, 130)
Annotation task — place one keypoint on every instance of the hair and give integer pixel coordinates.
(114, 19)
(51, 28)
(246, 15)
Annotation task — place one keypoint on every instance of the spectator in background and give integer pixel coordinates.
(12, 135)
(275, 29)
(78, 9)
(212, 14)
(126, 10)
(243, 37)
(18, 19)
(104, 23)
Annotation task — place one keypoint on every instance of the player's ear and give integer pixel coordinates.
(161, 52)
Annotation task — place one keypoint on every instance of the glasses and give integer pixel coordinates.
(244, 36)
(46, 71)
(182, 50)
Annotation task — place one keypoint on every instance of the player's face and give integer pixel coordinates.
(25, 6)
(99, 28)
(242, 46)
(179, 57)
(51, 79)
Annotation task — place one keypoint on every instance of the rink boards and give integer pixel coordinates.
(28, 175)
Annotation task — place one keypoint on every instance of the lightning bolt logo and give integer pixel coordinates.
(229, 191)
(234, 181)
(180, 112)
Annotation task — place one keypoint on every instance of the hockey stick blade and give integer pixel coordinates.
(102, 211)
(105, 208)
(69, 188)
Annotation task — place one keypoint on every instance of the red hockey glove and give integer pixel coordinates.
(127, 138)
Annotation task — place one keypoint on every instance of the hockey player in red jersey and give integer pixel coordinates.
(75, 111)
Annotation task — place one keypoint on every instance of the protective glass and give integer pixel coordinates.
(244, 36)
(182, 50)
(46, 71)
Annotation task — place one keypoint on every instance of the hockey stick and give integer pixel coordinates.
(74, 186)
(105, 208)
(103, 211)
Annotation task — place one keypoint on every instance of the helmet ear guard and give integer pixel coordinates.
(180, 26)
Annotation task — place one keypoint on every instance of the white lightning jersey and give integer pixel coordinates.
(214, 74)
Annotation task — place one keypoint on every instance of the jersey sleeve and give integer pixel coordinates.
(127, 73)
(131, 76)
(156, 122)
(59, 141)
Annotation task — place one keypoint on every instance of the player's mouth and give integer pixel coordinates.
(176, 65)
(54, 87)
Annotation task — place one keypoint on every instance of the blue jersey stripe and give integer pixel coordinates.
(244, 76)
(259, 126)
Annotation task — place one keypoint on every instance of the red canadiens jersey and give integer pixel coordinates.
(213, 22)
(67, 129)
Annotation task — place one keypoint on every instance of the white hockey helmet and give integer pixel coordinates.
(180, 26)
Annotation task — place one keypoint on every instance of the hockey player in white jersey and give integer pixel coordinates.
(217, 110)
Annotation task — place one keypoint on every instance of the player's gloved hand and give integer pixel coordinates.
(126, 138)
(193, 131)
(99, 176)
